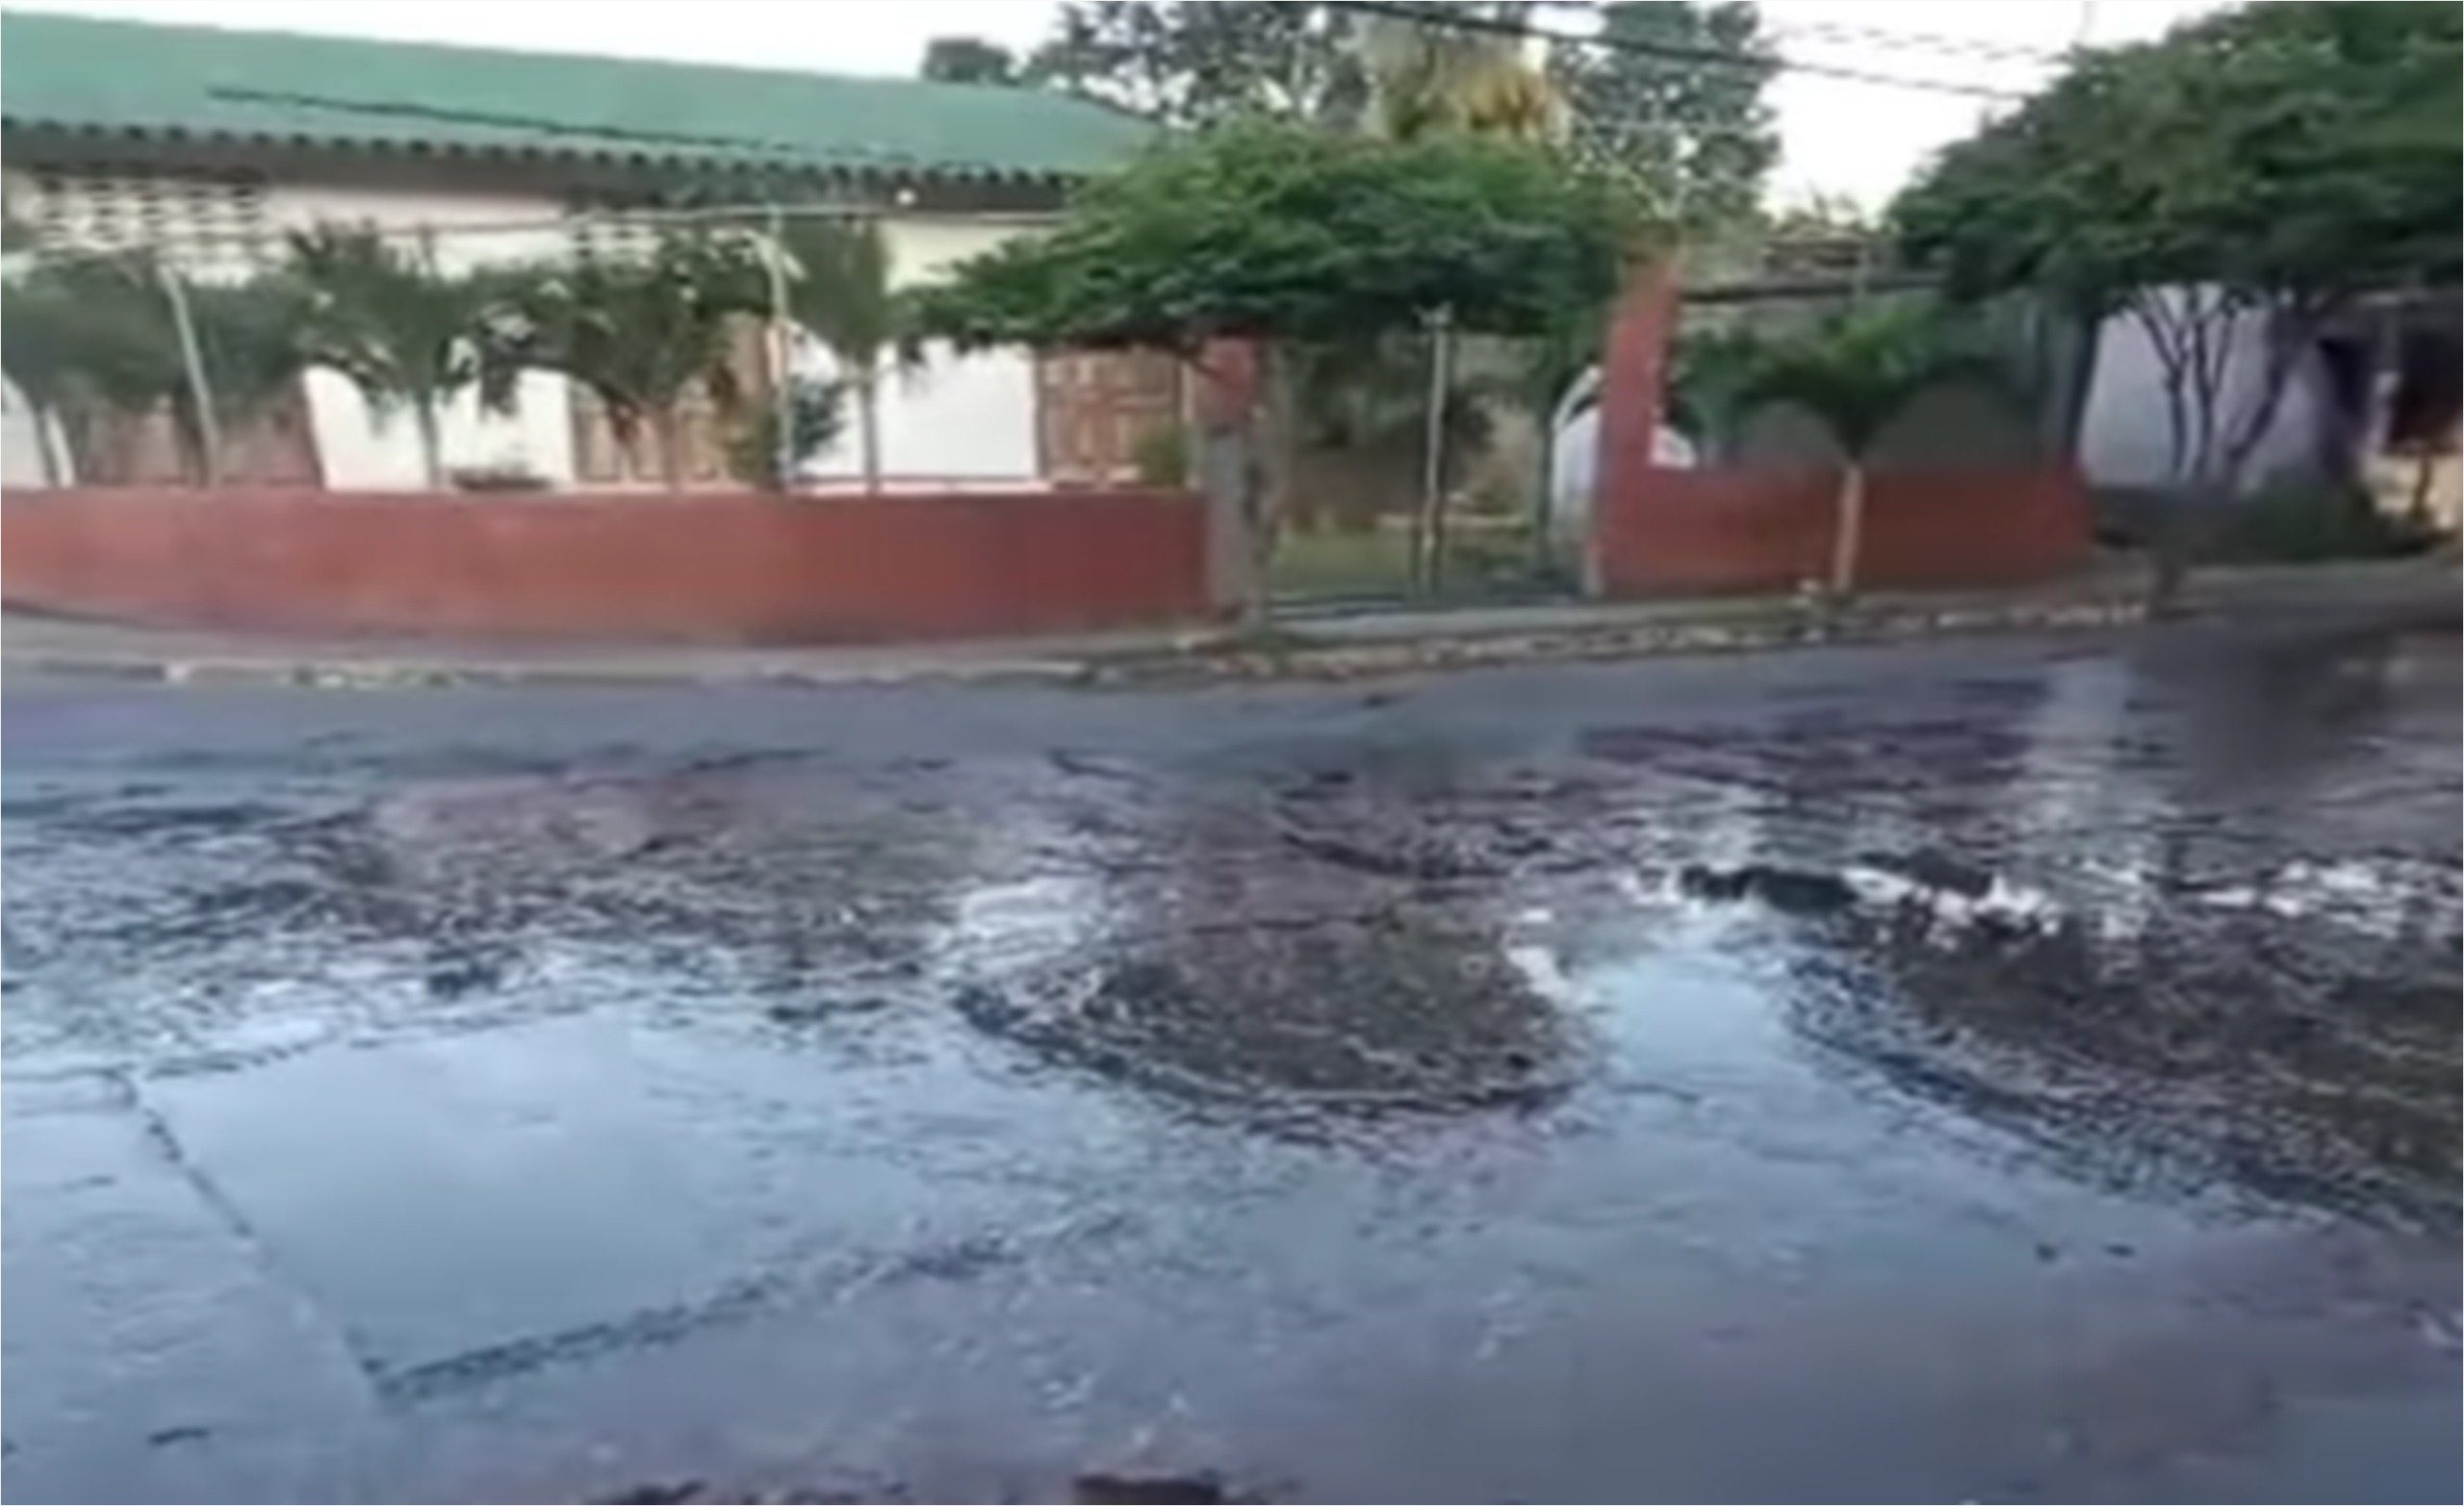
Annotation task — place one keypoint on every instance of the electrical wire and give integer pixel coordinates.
(1434, 17)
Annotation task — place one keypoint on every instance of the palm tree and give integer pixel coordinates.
(405, 332)
(1857, 370)
(839, 288)
(51, 334)
(94, 330)
(1427, 77)
(642, 333)
(250, 343)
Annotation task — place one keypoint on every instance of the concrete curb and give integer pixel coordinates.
(1709, 627)
(1730, 633)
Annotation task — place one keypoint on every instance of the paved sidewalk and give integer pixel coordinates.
(1365, 643)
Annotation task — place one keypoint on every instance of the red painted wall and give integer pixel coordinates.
(1768, 530)
(706, 566)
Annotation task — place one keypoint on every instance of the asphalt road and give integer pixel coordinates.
(2022, 1070)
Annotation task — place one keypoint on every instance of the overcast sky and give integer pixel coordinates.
(1838, 138)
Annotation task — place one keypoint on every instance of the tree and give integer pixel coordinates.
(405, 332)
(1286, 235)
(250, 343)
(1698, 133)
(64, 316)
(1857, 370)
(89, 330)
(1207, 63)
(1430, 76)
(969, 60)
(839, 288)
(642, 333)
(2258, 170)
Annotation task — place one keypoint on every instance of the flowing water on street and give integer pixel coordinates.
(1955, 1073)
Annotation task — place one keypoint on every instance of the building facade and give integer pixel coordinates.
(210, 146)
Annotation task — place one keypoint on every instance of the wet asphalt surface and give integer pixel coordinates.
(2023, 1070)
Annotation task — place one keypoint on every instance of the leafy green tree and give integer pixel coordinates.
(1856, 371)
(839, 288)
(642, 333)
(405, 332)
(2257, 169)
(1287, 236)
(1703, 135)
(1206, 63)
(969, 60)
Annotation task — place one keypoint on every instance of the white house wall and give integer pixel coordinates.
(2125, 431)
(360, 449)
(961, 418)
(965, 419)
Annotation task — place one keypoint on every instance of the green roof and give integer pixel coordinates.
(123, 78)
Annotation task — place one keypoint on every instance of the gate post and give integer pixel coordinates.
(1634, 390)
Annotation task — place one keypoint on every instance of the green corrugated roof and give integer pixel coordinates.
(77, 73)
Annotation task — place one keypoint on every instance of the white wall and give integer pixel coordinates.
(2125, 431)
(21, 446)
(969, 418)
(360, 449)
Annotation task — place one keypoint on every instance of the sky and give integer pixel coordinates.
(1837, 138)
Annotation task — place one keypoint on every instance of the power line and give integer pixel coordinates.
(1890, 38)
(1937, 43)
(1464, 21)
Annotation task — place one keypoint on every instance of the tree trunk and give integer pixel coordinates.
(667, 426)
(1848, 533)
(868, 428)
(431, 442)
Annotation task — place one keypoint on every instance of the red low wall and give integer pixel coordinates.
(1741, 529)
(708, 566)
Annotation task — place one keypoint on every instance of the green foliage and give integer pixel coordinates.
(88, 331)
(248, 337)
(1210, 63)
(1425, 79)
(815, 414)
(969, 60)
(1162, 455)
(1857, 369)
(639, 332)
(1282, 232)
(2296, 152)
(840, 288)
(1703, 139)
(2256, 169)
(386, 317)
(2311, 523)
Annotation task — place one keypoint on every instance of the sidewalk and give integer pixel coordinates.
(1362, 644)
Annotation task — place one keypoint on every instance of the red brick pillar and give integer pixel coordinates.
(1634, 382)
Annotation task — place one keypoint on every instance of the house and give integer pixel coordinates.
(207, 146)
(2373, 398)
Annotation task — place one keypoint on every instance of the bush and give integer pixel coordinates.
(1161, 455)
(2304, 523)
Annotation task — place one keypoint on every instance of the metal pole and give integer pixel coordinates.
(1429, 546)
(209, 423)
(782, 355)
